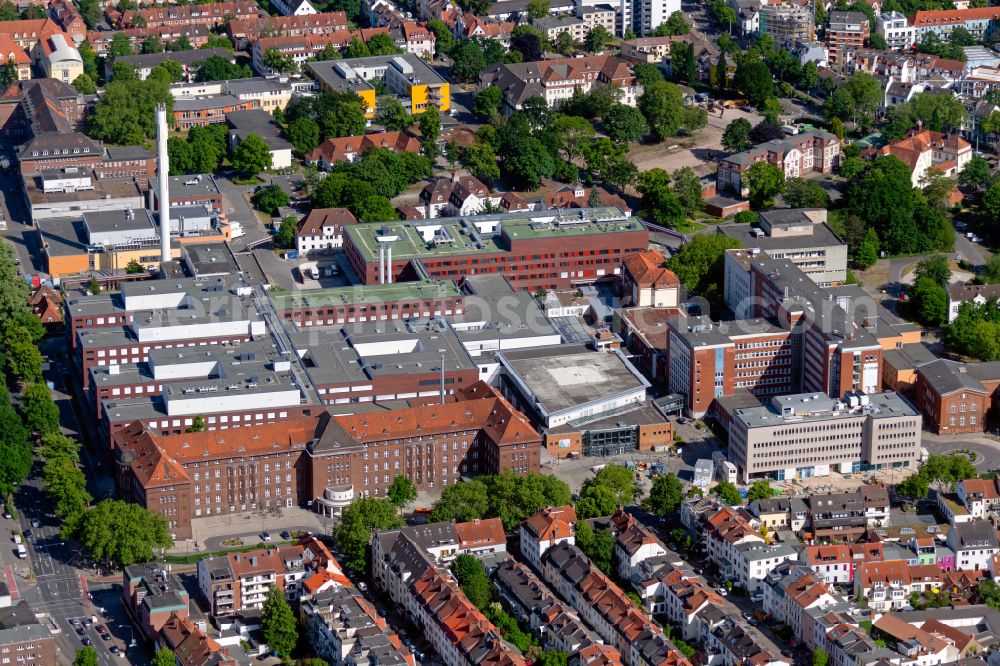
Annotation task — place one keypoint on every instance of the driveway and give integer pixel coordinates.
(236, 205)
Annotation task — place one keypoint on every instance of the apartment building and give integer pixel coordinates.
(805, 435)
(245, 31)
(978, 21)
(683, 598)
(191, 645)
(184, 15)
(981, 497)
(322, 229)
(780, 513)
(351, 148)
(847, 516)
(559, 627)
(344, 628)
(797, 155)
(957, 397)
(753, 561)
(457, 630)
(24, 639)
(975, 544)
(634, 544)
(606, 609)
(845, 30)
(153, 596)
(544, 529)
(786, 24)
(100, 40)
(896, 29)
(923, 150)
(887, 586)
(555, 80)
(648, 15)
(401, 556)
(406, 76)
(837, 562)
(792, 590)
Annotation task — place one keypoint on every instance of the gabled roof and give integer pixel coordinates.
(648, 269)
(318, 218)
(552, 523)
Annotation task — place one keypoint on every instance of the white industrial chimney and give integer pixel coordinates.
(163, 172)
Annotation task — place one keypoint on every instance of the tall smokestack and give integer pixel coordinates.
(163, 172)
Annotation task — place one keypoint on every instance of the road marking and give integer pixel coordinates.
(11, 582)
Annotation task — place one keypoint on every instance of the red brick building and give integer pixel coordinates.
(550, 252)
(209, 15)
(957, 397)
(294, 461)
(244, 32)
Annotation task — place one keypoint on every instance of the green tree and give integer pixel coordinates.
(218, 68)
(197, 424)
(430, 130)
(765, 181)
(487, 102)
(538, 9)
(759, 490)
(277, 61)
(152, 44)
(444, 40)
(182, 43)
(666, 494)
(754, 79)
(727, 493)
(134, 267)
(662, 104)
(699, 264)
(481, 161)
(976, 172)
(619, 480)
(940, 113)
(164, 657)
(126, 113)
(936, 268)
(120, 45)
(929, 302)
(472, 579)
(646, 74)
(570, 132)
(914, 486)
(597, 38)
(392, 115)
(278, 624)
(820, 657)
(805, 193)
(56, 445)
(23, 358)
(303, 133)
(468, 60)
(40, 413)
(625, 124)
(382, 44)
(676, 24)
(602, 554)
(252, 156)
(358, 520)
(867, 252)
(219, 42)
(461, 502)
(66, 486)
(85, 656)
(122, 533)
(687, 188)
(402, 491)
(736, 137)
(284, 237)
(269, 199)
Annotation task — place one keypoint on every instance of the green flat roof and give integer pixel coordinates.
(458, 239)
(373, 293)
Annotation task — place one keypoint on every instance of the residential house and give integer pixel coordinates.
(647, 282)
(322, 229)
(923, 150)
(791, 591)
(917, 643)
(191, 645)
(753, 561)
(544, 529)
(837, 562)
(975, 543)
(976, 294)
(153, 596)
(887, 586)
(981, 497)
(11, 52)
(463, 195)
(351, 148)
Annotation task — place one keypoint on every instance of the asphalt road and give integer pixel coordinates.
(237, 208)
(988, 451)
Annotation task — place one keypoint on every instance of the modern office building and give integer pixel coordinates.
(810, 434)
(405, 76)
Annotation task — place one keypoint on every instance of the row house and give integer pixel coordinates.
(684, 599)
(634, 544)
(556, 80)
(978, 21)
(981, 497)
(780, 513)
(791, 590)
(532, 603)
(457, 630)
(846, 516)
(931, 643)
(544, 529)
(798, 155)
(241, 581)
(975, 544)
(343, 627)
(606, 609)
(400, 556)
(753, 561)
(837, 562)
(464, 194)
(191, 646)
(300, 48)
(197, 35)
(210, 15)
(244, 32)
(738, 644)
(352, 148)
(887, 586)
(723, 533)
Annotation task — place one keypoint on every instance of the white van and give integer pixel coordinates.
(17, 538)
(22, 552)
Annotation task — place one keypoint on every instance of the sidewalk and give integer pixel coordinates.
(210, 531)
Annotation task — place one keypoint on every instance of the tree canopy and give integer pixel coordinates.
(122, 533)
(358, 520)
(508, 496)
(699, 264)
(278, 624)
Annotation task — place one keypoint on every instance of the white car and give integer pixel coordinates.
(36, 523)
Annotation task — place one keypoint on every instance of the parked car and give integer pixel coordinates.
(265, 537)
(36, 523)
(80, 630)
(115, 650)
(286, 535)
(86, 641)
